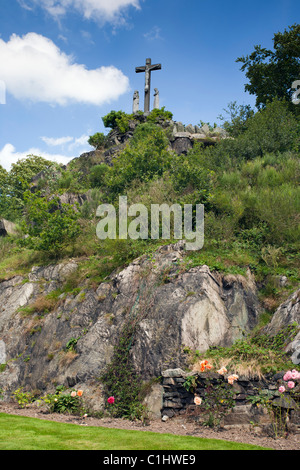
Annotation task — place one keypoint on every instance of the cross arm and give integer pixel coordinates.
(140, 69)
(155, 67)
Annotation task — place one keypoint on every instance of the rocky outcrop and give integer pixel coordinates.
(172, 306)
(287, 314)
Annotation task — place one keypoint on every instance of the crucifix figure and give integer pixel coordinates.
(148, 68)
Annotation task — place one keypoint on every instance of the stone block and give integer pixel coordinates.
(173, 373)
(7, 228)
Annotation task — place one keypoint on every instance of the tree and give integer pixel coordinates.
(271, 73)
(97, 140)
(51, 226)
(14, 183)
(114, 118)
(238, 117)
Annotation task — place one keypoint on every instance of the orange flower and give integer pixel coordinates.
(79, 393)
(204, 365)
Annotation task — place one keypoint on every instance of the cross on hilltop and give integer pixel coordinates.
(148, 68)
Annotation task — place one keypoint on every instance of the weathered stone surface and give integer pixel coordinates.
(182, 144)
(7, 228)
(75, 199)
(173, 373)
(190, 128)
(287, 314)
(156, 292)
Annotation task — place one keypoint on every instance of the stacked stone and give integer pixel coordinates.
(177, 400)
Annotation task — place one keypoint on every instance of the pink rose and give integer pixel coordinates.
(281, 389)
(287, 376)
(111, 400)
(291, 384)
(295, 375)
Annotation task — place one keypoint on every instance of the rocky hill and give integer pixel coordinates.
(73, 309)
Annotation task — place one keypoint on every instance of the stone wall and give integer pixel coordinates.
(177, 401)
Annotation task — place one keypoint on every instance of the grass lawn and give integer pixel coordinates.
(19, 433)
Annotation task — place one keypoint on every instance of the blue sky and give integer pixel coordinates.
(66, 63)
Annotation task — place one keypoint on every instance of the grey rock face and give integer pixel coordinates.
(172, 307)
(287, 314)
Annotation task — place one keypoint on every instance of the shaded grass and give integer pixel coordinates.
(19, 433)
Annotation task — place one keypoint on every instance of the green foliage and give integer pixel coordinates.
(61, 402)
(159, 115)
(267, 352)
(189, 177)
(117, 119)
(97, 140)
(121, 381)
(71, 344)
(50, 225)
(23, 398)
(272, 72)
(190, 383)
(16, 182)
(145, 157)
(217, 403)
(99, 175)
(238, 117)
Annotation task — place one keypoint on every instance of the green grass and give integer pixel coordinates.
(19, 433)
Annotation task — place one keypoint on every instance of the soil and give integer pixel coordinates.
(179, 426)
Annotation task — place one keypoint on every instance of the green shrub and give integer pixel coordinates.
(50, 225)
(117, 119)
(146, 157)
(97, 140)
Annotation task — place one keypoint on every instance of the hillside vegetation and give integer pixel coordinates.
(248, 183)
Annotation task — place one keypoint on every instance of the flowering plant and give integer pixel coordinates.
(289, 377)
(204, 365)
(111, 400)
(232, 378)
(64, 402)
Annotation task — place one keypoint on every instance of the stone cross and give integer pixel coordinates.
(148, 68)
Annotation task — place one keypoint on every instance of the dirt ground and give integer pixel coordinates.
(177, 426)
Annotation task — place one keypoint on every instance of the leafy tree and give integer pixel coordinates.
(24, 170)
(238, 118)
(271, 73)
(14, 183)
(159, 114)
(117, 119)
(97, 140)
(51, 226)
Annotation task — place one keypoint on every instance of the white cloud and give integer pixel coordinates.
(154, 34)
(99, 10)
(9, 155)
(34, 68)
(56, 142)
(74, 142)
